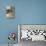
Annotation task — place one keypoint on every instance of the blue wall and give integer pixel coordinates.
(27, 12)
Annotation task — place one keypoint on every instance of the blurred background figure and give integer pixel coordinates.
(11, 37)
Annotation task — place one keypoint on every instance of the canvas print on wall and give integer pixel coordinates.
(32, 32)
